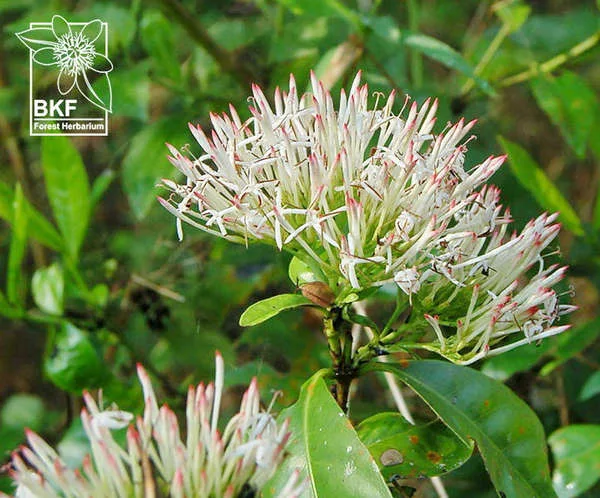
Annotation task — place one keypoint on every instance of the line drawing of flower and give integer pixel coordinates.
(72, 50)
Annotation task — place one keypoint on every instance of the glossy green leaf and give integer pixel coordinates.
(576, 451)
(145, 163)
(47, 287)
(507, 432)
(446, 55)
(326, 449)
(73, 363)
(512, 13)
(268, 308)
(570, 104)
(18, 245)
(40, 228)
(591, 387)
(68, 190)
(533, 178)
(408, 451)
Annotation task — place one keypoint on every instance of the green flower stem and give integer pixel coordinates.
(339, 339)
(36, 316)
(332, 336)
(553, 63)
(416, 59)
(493, 47)
(400, 308)
(75, 274)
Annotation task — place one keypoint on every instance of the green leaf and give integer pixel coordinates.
(158, 39)
(21, 411)
(234, 34)
(595, 148)
(576, 451)
(145, 163)
(131, 89)
(446, 55)
(121, 22)
(99, 295)
(326, 449)
(591, 387)
(520, 359)
(73, 363)
(18, 245)
(383, 41)
(410, 451)
(512, 13)
(533, 178)
(267, 308)
(570, 344)
(507, 432)
(363, 320)
(570, 104)
(47, 287)
(100, 185)
(322, 8)
(300, 273)
(7, 310)
(68, 190)
(40, 228)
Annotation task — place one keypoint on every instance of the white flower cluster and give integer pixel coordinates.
(369, 197)
(157, 461)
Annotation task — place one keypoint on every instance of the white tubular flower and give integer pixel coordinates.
(157, 461)
(372, 197)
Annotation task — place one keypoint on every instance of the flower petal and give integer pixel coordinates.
(60, 26)
(101, 64)
(35, 38)
(66, 82)
(44, 56)
(92, 30)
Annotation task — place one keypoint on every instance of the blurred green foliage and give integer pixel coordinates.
(94, 279)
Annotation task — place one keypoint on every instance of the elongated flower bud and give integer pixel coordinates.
(156, 460)
(373, 197)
